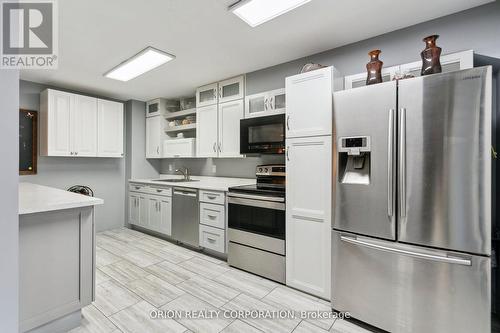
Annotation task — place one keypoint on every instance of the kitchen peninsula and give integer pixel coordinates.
(56, 257)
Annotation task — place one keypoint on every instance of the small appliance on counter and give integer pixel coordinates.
(256, 220)
(81, 189)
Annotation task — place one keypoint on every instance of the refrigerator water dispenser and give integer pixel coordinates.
(354, 160)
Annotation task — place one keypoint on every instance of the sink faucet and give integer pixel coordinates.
(185, 173)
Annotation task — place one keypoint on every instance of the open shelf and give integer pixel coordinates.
(180, 128)
(180, 114)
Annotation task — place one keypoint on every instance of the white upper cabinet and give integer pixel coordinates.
(110, 129)
(230, 114)
(55, 123)
(79, 126)
(359, 80)
(84, 125)
(207, 95)
(232, 89)
(309, 103)
(218, 129)
(265, 104)
(449, 63)
(207, 131)
(154, 137)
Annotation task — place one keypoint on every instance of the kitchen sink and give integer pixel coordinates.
(176, 180)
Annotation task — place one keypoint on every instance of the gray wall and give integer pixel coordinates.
(9, 222)
(477, 29)
(106, 176)
(225, 167)
(137, 165)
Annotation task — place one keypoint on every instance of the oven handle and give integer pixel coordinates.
(255, 197)
(256, 203)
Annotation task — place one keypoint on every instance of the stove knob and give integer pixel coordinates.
(260, 170)
(266, 170)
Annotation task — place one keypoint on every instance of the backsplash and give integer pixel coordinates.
(225, 167)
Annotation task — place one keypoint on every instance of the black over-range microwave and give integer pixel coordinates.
(263, 135)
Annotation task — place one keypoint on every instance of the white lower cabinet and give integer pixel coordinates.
(151, 208)
(133, 208)
(308, 214)
(212, 238)
(213, 221)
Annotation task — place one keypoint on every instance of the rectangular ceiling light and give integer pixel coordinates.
(142, 62)
(256, 12)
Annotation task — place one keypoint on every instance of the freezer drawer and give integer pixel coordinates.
(403, 288)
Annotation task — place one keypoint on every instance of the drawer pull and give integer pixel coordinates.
(158, 190)
(137, 187)
(212, 216)
(211, 240)
(211, 197)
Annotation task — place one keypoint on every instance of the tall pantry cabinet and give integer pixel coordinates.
(309, 180)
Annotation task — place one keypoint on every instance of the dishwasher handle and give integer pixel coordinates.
(186, 192)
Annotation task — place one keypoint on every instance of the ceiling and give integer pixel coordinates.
(210, 43)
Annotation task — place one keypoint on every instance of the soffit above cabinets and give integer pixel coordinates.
(209, 41)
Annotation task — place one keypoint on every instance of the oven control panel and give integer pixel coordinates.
(270, 170)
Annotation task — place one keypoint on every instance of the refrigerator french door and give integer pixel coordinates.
(411, 236)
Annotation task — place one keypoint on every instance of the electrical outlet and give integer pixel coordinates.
(214, 168)
(170, 167)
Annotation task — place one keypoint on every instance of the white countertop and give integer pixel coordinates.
(201, 182)
(35, 198)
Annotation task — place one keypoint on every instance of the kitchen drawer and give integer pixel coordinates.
(136, 187)
(212, 238)
(212, 215)
(158, 190)
(214, 197)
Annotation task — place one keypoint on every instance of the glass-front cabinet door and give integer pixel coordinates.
(277, 100)
(265, 104)
(207, 95)
(231, 89)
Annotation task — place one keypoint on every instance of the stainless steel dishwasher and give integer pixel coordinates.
(185, 216)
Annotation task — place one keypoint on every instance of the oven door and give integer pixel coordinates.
(263, 135)
(257, 214)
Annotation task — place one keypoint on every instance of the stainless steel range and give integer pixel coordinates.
(256, 218)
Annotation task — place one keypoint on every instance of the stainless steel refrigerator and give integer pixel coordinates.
(411, 239)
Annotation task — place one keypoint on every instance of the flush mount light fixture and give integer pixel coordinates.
(256, 12)
(142, 62)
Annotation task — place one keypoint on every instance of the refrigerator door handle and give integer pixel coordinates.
(390, 161)
(402, 162)
(440, 258)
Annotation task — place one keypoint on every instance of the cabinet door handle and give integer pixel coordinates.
(214, 147)
(220, 92)
(287, 156)
(219, 146)
(157, 149)
(288, 122)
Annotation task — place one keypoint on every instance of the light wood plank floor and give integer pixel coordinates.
(138, 273)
